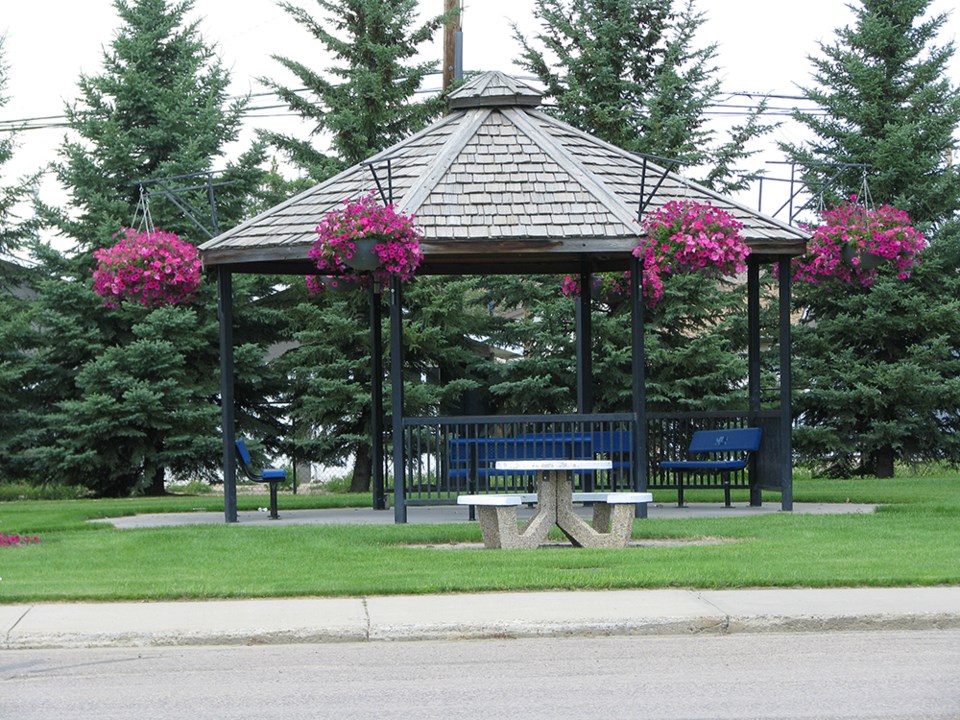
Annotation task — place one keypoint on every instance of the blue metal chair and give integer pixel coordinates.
(274, 476)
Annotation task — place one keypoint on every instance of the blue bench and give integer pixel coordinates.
(274, 476)
(723, 452)
(475, 458)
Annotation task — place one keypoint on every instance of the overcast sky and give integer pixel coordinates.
(763, 48)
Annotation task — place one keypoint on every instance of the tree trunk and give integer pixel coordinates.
(883, 462)
(154, 473)
(154, 486)
(361, 470)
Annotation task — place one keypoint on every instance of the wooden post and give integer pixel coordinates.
(786, 388)
(450, 31)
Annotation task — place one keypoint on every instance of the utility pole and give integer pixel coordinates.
(452, 43)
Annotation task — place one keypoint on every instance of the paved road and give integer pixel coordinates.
(782, 676)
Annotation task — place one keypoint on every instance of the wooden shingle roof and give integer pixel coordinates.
(496, 185)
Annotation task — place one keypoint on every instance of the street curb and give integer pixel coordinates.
(505, 630)
(477, 616)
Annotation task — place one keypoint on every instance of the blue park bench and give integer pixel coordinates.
(721, 452)
(274, 476)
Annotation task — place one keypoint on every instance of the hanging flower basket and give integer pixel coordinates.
(608, 288)
(149, 268)
(367, 236)
(318, 284)
(685, 236)
(854, 242)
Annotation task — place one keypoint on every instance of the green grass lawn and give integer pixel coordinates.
(914, 539)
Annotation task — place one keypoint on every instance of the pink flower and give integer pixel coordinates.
(850, 231)
(398, 252)
(607, 287)
(12, 540)
(686, 236)
(150, 268)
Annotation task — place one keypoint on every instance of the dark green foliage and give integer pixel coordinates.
(878, 369)
(693, 346)
(369, 105)
(15, 229)
(159, 110)
(143, 407)
(535, 324)
(366, 101)
(693, 341)
(329, 366)
(118, 398)
(885, 84)
(632, 73)
(328, 371)
(877, 372)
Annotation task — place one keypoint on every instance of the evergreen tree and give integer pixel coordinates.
(890, 108)
(129, 394)
(366, 102)
(15, 230)
(329, 367)
(158, 111)
(631, 73)
(876, 368)
(369, 105)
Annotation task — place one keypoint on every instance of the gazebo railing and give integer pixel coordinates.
(449, 456)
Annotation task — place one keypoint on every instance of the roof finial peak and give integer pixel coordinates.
(494, 89)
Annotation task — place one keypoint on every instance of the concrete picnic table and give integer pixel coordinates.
(613, 512)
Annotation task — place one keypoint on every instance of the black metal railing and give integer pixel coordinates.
(449, 456)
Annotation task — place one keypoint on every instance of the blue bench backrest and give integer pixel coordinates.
(525, 447)
(718, 441)
(243, 453)
(617, 442)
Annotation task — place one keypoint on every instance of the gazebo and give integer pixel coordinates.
(500, 187)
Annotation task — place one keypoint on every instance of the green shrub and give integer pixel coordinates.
(23, 491)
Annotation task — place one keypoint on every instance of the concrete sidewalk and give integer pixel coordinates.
(484, 615)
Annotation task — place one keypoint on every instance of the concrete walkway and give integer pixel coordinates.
(483, 615)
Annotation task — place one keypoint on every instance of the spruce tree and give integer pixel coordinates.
(366, 100)
(16, 228)
(890, 111)
(876, 368)
(130, 394)
(633, 73)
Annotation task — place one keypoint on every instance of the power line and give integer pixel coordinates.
(52, 122)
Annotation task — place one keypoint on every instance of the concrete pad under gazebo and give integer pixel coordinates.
(500, 187)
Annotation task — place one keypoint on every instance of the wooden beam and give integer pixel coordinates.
(451, 8)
